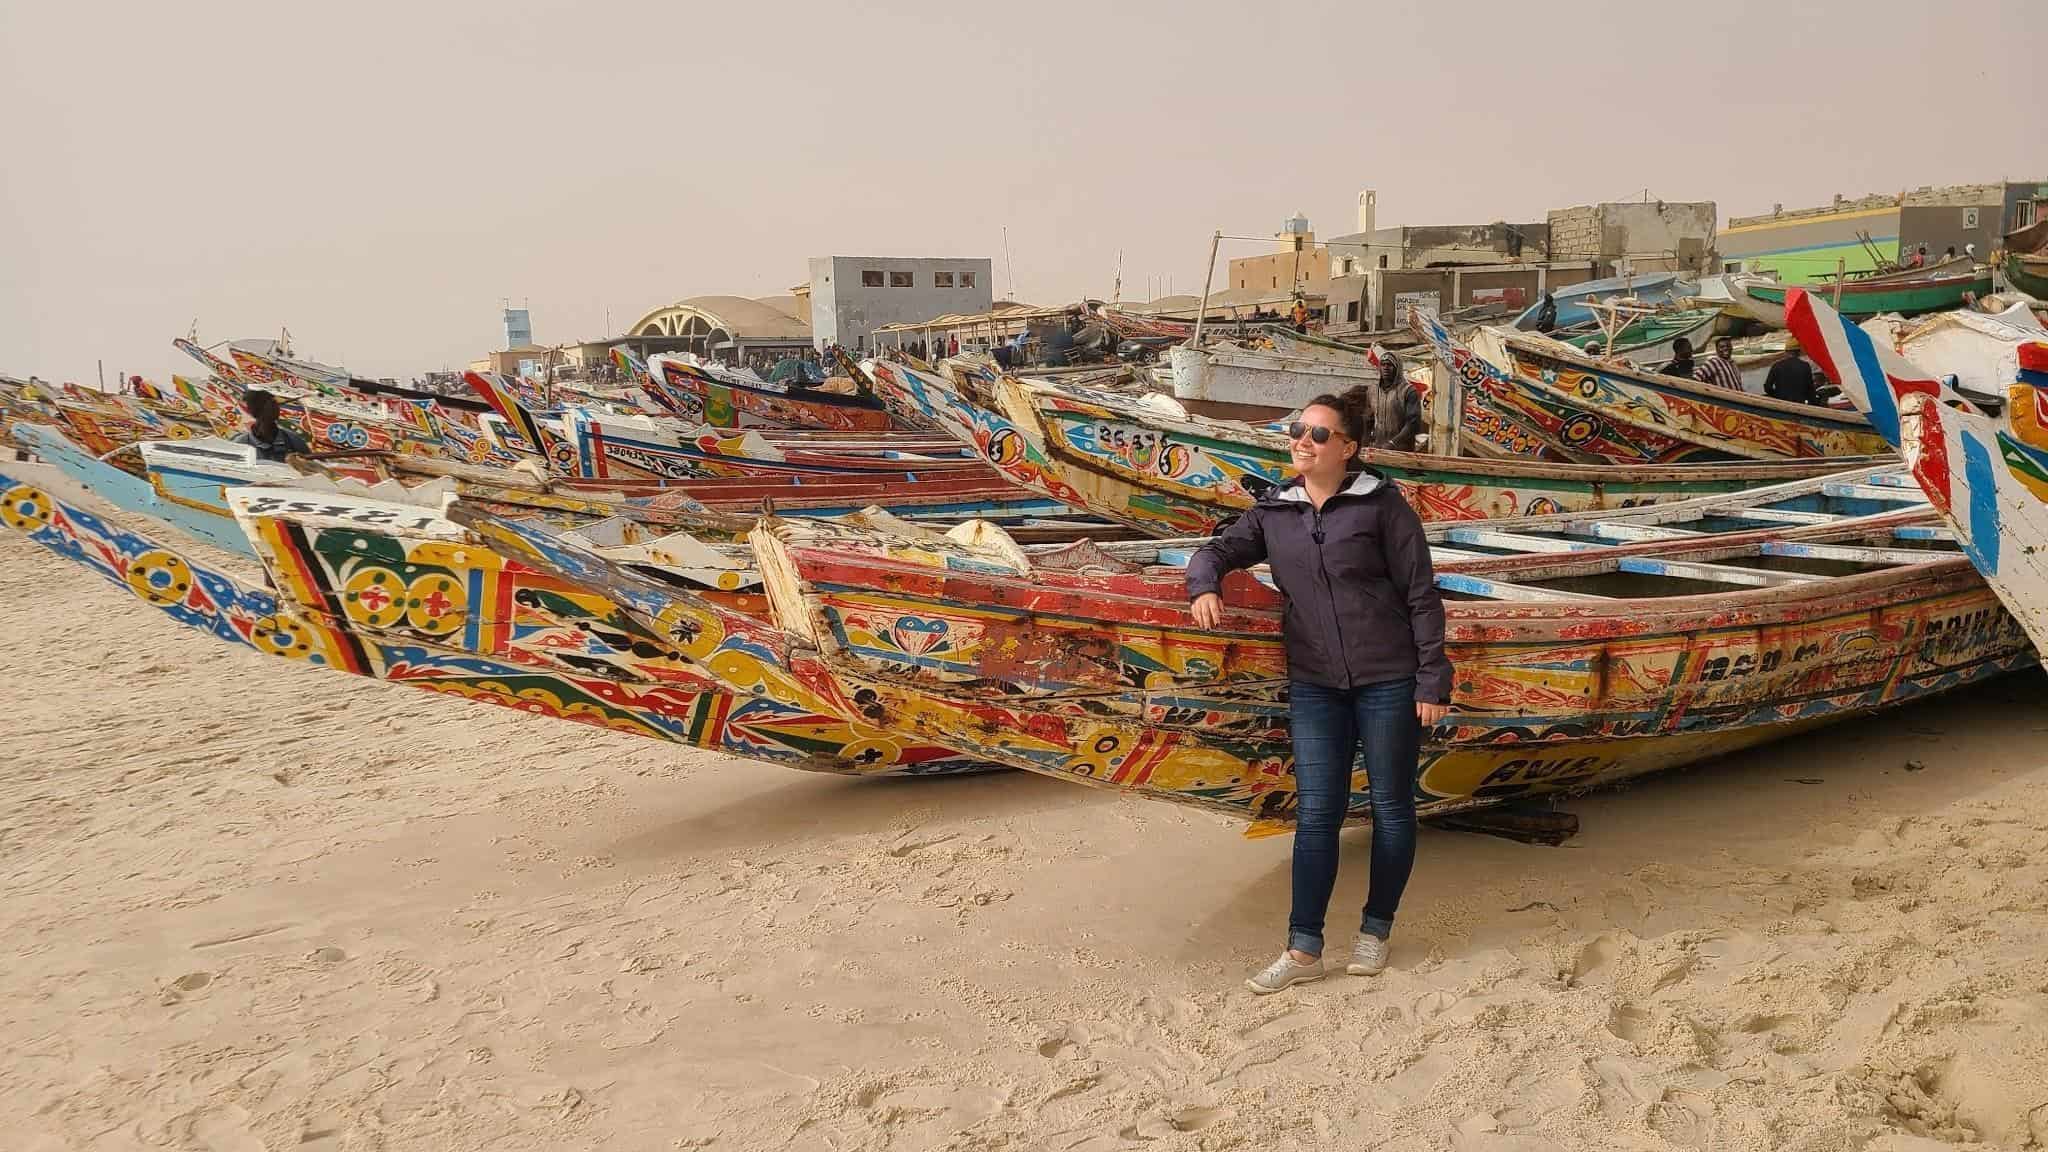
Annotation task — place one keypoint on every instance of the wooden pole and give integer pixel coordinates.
(1841, 270)
(1215, 241)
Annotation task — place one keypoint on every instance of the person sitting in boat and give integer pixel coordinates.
(272, 441)
(1949, 255)
(1681, 359)
(1394, 420)
(1719, 369)
(1364, 634)
(1546, 314)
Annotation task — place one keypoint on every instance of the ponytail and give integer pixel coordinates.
(1353, 408)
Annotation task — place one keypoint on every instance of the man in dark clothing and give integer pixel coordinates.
(1681, 359)
(272, 441)
(1396, 409)
(1546, 314)
(1791, 379)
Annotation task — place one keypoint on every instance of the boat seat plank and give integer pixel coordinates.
(1925, 532)
(1636, 533)
(1719, 573)
(1502, 590)
(1783, 516)
(1868, 491)
(1515, 541)
(1849, 553)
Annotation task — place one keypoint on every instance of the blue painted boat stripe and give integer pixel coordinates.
(1884, 408)
(1982, 545)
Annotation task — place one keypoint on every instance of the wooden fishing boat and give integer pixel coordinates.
(393, 593)
(611, 446)
(1653, 338)
(1575, 301)
(703, 395)
(2026, 259)
(1908, 295)
(1250, 378)
(1588, 648)
(1716, 423)
(1506, 417)
(1990, 484)
(1171, 475)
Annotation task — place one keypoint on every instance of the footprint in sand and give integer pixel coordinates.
(1628, 1022)
(1199, 1116)
(192, 981)
(328, 955)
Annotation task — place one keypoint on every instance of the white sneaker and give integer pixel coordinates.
(1285, 972)
(1368, 956)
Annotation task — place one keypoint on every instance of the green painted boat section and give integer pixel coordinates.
(1907, 299)
(2029, 278)
(1650, 330)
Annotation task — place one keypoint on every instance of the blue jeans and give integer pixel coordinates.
(1330, 726)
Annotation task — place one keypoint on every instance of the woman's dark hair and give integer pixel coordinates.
(1353, 408)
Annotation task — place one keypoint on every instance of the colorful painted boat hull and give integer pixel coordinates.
(1718, 421)
(1183, 477)
(700, 396)
(1991, 484)
(1091, 679)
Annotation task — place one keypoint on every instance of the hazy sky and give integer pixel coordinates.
(377, 176)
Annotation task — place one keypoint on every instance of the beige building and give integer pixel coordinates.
(1297, 263)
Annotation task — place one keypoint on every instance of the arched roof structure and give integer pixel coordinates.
(722, 320)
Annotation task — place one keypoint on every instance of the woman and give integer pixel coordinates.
(1364, 629)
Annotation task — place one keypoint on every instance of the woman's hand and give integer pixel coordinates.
(1431, 714)
(1207, 610)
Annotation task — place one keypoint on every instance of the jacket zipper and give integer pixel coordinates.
(1330, 591)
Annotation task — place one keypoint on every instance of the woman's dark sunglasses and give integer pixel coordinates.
(1315, 432)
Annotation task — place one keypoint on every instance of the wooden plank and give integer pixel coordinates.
(1883, 492)
(1925, 532)
(1502, 590)
(1719, 573)
(1637, 533)
(1783, 516)
(1515, 541)
(1853, 554)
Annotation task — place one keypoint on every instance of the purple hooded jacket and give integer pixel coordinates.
(1362, 604)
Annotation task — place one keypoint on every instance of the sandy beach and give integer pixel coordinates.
(256, 906)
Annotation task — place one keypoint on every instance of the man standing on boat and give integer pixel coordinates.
(1546, 314)
(1364, 630)
(1719, 369)
(1791, 379)
(1395, 418)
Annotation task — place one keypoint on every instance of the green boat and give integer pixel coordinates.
(1648, 338)
(2027, 273)
(1907, 297)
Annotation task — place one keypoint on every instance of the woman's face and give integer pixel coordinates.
(1323, 461)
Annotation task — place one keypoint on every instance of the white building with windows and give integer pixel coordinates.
(852, 296)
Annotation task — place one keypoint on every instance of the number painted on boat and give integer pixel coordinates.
(352, 513)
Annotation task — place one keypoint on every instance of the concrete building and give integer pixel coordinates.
(1378, 300)
(851, 296)
(1808, 244)
(1431, 246)
(1295, 263)
(1651, 236)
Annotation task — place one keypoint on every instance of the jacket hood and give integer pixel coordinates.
(1364, 481)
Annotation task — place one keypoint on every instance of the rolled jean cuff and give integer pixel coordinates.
(1303, 942)
(1375, 926)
